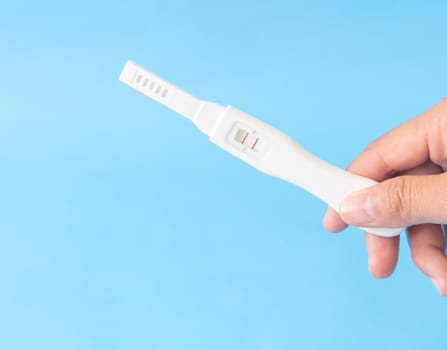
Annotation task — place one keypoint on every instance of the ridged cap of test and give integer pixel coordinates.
(160, 90)
(203, 114)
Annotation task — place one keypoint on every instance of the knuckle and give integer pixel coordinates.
(436, 131)
(396, 202)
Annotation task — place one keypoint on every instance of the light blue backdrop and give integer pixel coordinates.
(122, 227)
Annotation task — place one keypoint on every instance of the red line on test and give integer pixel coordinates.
(245, 137)
(254, 144)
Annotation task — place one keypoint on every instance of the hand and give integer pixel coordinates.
(410, 160)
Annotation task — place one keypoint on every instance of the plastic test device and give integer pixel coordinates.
(254, 142)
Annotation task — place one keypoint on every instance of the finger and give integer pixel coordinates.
(407, 146)
(399, 202)
(332, 221)
(428, 252)
(383, 253)
(425, 169)
(388, 199)
(398, 150)
(436, 126)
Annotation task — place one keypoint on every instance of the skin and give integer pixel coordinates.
(410, 163)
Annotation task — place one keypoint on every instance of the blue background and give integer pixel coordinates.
(122, 227)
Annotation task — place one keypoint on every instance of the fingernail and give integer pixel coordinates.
(356, 209)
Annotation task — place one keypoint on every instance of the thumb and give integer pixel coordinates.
(401, 201)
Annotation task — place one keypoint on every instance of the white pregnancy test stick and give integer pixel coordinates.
(255, 142)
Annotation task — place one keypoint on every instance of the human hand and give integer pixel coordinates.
(411, 160)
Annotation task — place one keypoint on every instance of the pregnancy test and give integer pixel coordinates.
(255, 142)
